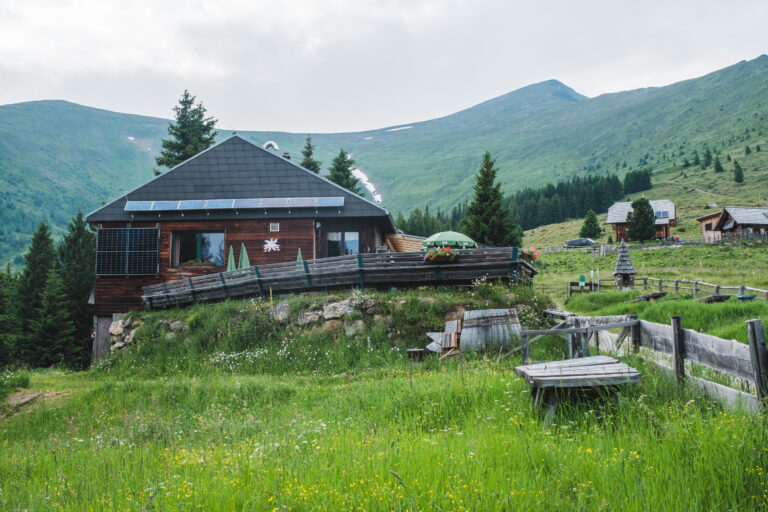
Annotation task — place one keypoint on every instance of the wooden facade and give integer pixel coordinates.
(620, 232)
(119, 294)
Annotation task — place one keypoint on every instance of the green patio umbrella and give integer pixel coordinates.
(449, 239)
(299, 260)
(244, 262)
(231, 261)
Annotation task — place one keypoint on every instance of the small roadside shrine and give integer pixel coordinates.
(624, 270)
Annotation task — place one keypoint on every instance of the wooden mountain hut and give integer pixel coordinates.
(233, 196)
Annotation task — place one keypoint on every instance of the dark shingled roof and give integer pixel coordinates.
(238, 169)
(624, 262)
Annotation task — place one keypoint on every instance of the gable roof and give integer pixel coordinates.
(624, 262)
(617, 214)
(238, 169)
(749, 215)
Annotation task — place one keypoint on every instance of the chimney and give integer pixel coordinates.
(287, 155)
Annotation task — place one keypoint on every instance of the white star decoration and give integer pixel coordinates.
(271, 245)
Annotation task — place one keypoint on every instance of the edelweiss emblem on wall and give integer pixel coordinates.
(271, 245)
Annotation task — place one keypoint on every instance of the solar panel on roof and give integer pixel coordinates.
(274, 202)
(247, 203)
(299, 202)
(220, 204)
(138, 206)
(330, 201)
(194, 204)
(165, 205)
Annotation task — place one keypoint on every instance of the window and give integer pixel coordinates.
(351, 242)
(333, 244)
(662, 215)
(127, 251)
(274, 226)
(708, 226)
(197, 247)
(339, 243)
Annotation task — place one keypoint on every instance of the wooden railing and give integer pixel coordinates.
(745, 364)
(384, 270)
(698, 289)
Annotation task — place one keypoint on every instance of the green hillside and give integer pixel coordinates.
(56, 157)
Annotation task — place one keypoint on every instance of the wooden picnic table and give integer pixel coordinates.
(585, 372)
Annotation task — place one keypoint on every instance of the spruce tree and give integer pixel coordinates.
(707, 159)
(696, 160)
(39, 260)
(10, 325)
(747, 150)
(190, 134)
(641, 221)
(308, 162)
(718, 165)
(487, 220)
(341, 172)
(738, 172)
(52, 327)
(590, 228)
(77, 256)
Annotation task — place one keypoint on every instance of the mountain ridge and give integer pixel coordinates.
(57, 156)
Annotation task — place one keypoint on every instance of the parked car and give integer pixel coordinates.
(579, 242)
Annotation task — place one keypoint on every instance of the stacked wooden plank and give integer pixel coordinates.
(361, 270)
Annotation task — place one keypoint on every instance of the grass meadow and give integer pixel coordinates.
(238, 412)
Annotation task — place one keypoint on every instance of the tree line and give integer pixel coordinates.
(45, 319)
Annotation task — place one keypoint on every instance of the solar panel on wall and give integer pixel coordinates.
(299, 202)
(127, 251)
(220, 204)
(195, 204)
(330, 201)
(138, 206)
(274, 202)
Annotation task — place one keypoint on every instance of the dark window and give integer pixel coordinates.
(708, 226)
(334, 244)
(197, 247)
(127, 251)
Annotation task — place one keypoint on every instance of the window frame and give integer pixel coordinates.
(197, 232)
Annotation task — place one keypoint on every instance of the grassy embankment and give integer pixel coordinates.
(238, 412)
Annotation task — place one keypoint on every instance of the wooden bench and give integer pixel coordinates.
(584, 372)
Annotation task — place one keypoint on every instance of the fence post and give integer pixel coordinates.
(717, 289)
(742, 290)
(759, 356)
(635, 334)
(677, 286)
(661, 285)
(678, 348)
(695, 289)
(645, 282)
(524, 344)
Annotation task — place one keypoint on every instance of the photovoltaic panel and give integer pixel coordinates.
(127, 251)
(220, 204)
(330, 201)
(138, 206)
(299, 202)
(194, 204)
(247, 203)
(274, 202)
(165, 205)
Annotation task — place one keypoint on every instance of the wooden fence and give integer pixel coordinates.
(384, 270)
(698, 289)
(744, 364)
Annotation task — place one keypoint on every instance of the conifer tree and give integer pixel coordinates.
(341, 172)
(738, 172)
(718, 165)
(590, 228)
(10, 326)
(52, 327)
(40, 258)
(190, 134)
(696, 159)
(641, 221)
(610, 240)
(309, 162)
(77, 256)
(487, 220)
(707, 159)
(747, 151)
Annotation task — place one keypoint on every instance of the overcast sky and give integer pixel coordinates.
(344, 65)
